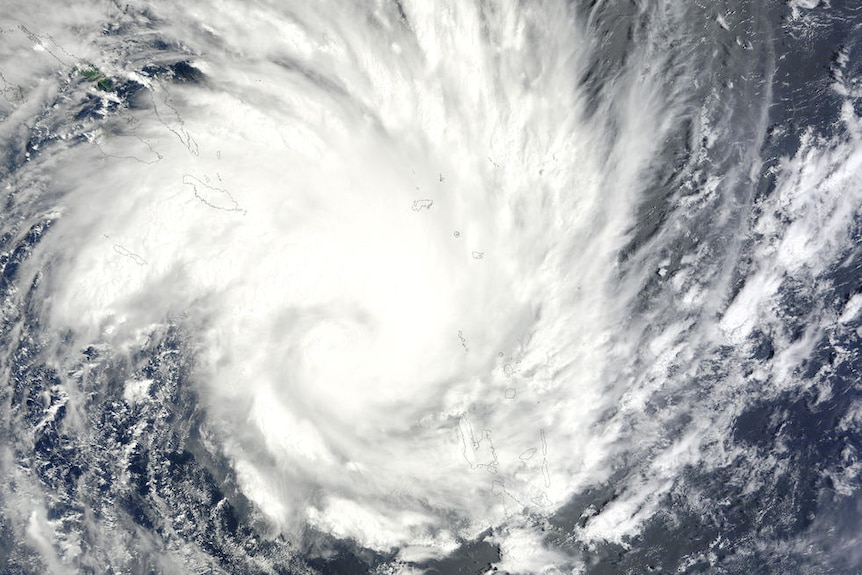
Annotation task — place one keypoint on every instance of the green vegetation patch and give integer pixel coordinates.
(93, 74)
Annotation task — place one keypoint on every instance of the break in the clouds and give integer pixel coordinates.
(431, 284)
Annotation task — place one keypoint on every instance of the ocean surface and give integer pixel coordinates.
(455, 287)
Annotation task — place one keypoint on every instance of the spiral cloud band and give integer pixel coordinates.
(434, 278)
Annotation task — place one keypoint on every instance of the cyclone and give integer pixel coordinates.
(451, 287)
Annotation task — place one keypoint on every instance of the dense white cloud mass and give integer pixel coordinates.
(407, 243)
